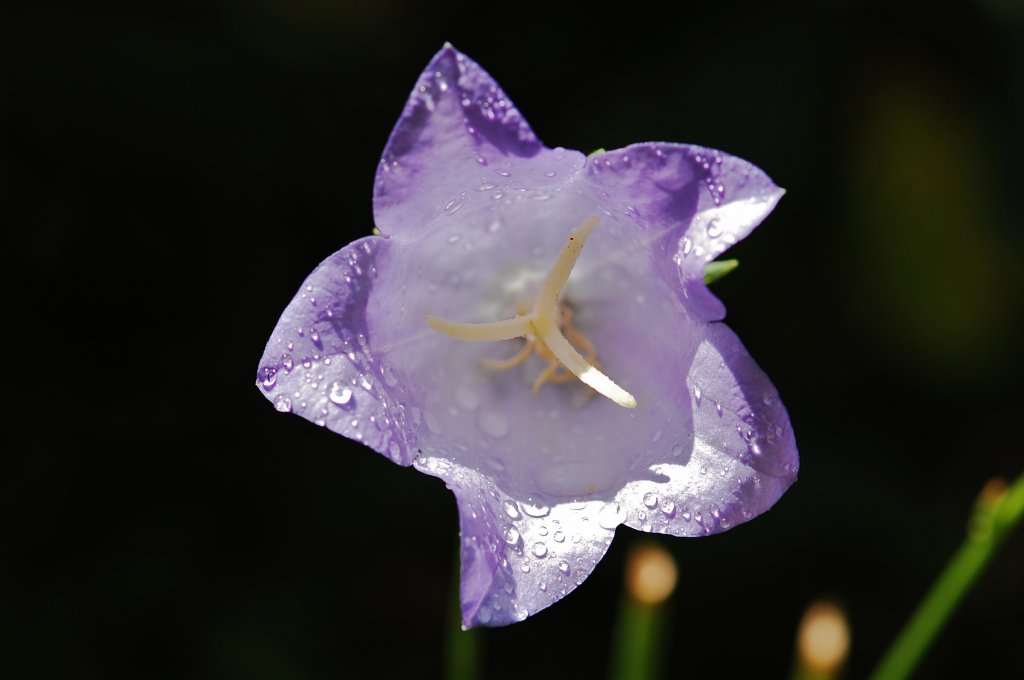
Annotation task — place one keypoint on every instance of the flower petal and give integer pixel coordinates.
(707, 199)
(742, 457)
(518, 556)
(318, 363)
(457, 130)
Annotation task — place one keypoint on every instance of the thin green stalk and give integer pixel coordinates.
(638, 640)
(636, 650)
(995, 515)
(462, 653)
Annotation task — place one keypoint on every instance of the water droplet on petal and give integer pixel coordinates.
(511, 535)
(650, 499)
(493, 424)
(466, 398)
(283, 404)
(540, 549)
(395, 451)
(611, 515)
(267, 377)
(536, 510)
(559, 537)
(510, 509)
(563, 567)
(668, 508)
(341, 395)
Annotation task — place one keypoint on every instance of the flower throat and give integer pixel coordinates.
(545, 328)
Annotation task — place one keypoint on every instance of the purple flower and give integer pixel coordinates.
(393, 341)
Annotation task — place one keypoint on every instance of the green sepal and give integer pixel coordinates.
(717, 269)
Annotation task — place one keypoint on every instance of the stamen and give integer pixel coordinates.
(520, 357)
(545, 328)
(481, 332)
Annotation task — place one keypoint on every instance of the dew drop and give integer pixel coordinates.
(668, 508)
(696, 394)
(466, 398)
(389, 375)
(268, 377)
(511, 535)
(431, 422)
(493, 424)
(650, 499)
(559, 537)
(540, 549)
(341, 395)
(611, 515)
(677, 450)
(510, 509)
(536, 510)
(283, 404)
(563, 567)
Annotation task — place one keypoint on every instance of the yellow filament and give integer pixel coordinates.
(545, 328)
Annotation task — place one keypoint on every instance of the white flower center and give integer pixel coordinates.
(542, 327)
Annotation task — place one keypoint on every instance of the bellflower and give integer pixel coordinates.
(531, 325)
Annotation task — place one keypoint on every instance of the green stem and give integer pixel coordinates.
(636, 646)
(462, 653)
(992, 520)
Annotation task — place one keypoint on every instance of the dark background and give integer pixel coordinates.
(170, 174)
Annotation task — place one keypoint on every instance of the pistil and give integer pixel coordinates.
(542, 327)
